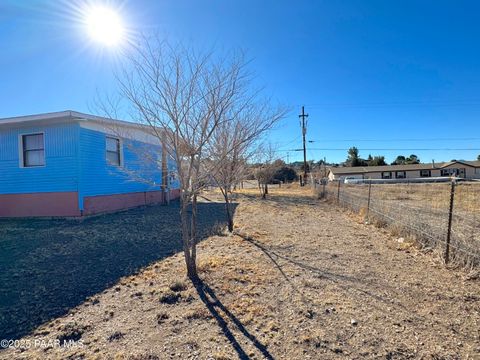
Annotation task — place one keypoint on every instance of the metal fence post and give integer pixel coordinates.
(450, 216)
(368, 202)
(338, 191)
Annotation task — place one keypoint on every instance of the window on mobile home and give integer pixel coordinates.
(33, 150)
(113, 151)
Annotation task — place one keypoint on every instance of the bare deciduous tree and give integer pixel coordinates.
(266, 172)
(182, 96)
(235, 141)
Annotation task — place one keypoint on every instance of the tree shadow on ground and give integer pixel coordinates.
(48, 267)
(223, 316)
(346, 282)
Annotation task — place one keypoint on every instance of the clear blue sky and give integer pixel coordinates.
(365, 70)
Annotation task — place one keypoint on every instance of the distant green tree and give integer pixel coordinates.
(400, 160)
(478, 157)
(354, 159)
(377, 161)
(285, 173)
(412, 159)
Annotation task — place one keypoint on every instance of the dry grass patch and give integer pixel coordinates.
(210, 263)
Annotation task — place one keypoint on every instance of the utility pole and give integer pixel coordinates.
(303, 124)
(324, 167)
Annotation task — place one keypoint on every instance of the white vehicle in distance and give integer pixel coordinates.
(352, 180)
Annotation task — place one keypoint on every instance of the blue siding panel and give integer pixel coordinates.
(61, 153)
(76, 161)
(141, 170)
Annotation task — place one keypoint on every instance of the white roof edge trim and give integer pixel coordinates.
(28, 118)
(74, 115)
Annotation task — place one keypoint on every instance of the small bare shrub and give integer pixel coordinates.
(72, 332)
(218, 229)
(363, 212)
(169, 297)
(379, 222)
(162, 317)
(178, 286)
(200, 313)
(117, 335)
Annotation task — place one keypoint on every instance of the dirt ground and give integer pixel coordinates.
(48, 267)
(304, 281)
(422, 210)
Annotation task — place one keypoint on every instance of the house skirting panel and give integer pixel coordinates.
(174, 194)
(109, 203)
(64, 204)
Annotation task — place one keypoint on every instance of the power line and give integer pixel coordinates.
(388, 140)
(292, 141)
(386, 104)
(389, 149)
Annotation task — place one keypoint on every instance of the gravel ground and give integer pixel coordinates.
(300, 280)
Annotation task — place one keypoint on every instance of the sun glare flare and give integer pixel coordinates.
(104, 25)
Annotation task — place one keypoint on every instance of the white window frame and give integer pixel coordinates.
(21, 160)
(401, 177)
(387, 172)
(427, 171)
(449, 172)
(120, 150)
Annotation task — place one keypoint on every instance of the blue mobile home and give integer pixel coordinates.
(73, 164)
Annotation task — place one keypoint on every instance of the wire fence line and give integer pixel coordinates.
(440, 216)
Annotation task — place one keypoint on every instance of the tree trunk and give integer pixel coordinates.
(229, 216)
(266, 188)
(228, 209)
(188, 236)
(192, 269)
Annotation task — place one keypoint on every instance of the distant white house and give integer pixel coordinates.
(461, 169)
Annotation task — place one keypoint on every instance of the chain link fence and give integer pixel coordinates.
(439, 216)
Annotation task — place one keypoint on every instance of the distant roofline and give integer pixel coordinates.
(406, 167)
(68, 114)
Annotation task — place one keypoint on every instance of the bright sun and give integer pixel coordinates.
(105, 26)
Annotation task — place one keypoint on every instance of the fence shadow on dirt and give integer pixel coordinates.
(373, 292)
(439, 216)
(47, 267)
(346, 282)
